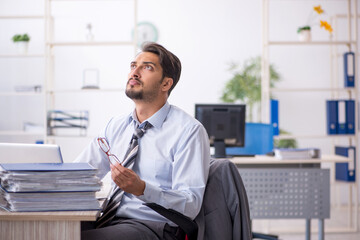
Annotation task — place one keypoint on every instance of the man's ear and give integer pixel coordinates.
(166, 84)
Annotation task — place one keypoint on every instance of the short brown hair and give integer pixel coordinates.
(170, 63)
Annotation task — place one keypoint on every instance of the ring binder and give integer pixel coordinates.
(346, 171)
(349, 69)
(332, 116)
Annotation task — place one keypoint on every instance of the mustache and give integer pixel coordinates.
(136, 79)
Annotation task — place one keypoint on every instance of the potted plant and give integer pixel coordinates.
(245, 87)
(304, 32)
(21, 42)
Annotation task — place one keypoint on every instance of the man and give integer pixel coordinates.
(172, 159)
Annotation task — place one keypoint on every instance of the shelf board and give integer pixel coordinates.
(314, 136)
(105, 43)
(340, 182)
(311, 43)
(19, 133)
(22, 55)
(85, 0)
(22, 17)
(21, 93)
(311, 89)
(54, 137)
(85, 90)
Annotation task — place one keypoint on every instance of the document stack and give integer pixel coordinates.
(31, 187)
(297, 153)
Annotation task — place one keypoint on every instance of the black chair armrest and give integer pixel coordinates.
(184, 222)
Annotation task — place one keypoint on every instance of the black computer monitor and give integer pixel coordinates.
(224, 123)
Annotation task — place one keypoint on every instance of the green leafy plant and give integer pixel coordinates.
(21, 38)
(285, 143)
(245, 87)
(303, 28)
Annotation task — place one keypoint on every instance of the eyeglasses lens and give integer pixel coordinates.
(113, 159)
(103, 144)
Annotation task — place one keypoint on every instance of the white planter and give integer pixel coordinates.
(22, 47)
(304, 35)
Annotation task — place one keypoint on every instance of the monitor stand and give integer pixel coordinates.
(220, 149)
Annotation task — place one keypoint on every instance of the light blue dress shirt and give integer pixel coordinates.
(173, 160)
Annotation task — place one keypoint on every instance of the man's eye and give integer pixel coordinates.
(148, 67)
(132, 66)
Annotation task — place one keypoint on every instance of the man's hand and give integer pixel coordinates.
(127, 179)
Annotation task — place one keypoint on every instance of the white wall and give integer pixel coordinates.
(205, 35)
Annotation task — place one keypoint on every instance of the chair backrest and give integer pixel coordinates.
(225, 211)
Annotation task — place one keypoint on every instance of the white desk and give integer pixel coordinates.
(288, 189)
(262, 159)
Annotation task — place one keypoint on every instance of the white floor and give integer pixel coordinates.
(295, 229)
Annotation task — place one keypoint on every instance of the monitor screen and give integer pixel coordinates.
(224, 123)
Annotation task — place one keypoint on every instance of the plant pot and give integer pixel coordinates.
(304, 35)
(22, 47)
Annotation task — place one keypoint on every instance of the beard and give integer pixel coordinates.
(133, 94)
(148, 96)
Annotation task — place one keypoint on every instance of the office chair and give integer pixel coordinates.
(225, 211)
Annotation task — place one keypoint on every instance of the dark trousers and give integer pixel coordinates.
(131, 229)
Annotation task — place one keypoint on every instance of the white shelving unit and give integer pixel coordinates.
(5, 95)
(53, 44)
(332, 90)
(120, 36)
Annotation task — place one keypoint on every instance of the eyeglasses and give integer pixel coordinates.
(105, 147)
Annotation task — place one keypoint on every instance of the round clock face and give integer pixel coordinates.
(146, 32)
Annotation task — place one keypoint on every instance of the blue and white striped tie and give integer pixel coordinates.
(112, 205)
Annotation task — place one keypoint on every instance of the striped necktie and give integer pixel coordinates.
(112, 205)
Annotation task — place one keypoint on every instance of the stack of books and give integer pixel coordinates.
(297, 153)
(35, 187)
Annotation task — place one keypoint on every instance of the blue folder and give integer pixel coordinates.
(332, 116)
(350, 116)
(349, 69)
(258, 140)
(343, 171)
(274, 116)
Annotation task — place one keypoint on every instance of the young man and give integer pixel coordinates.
(171, 162)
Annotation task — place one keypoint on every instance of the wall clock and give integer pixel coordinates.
(146, 32)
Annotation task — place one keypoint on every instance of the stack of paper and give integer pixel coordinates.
(297, 153)
(48, 187)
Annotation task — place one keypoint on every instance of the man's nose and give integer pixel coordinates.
(135, 73)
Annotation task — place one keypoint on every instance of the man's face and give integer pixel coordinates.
(145, 77)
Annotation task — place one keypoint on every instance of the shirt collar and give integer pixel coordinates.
(156, 120)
